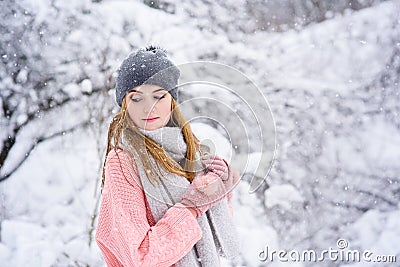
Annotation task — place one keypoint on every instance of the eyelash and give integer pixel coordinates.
(138, 99)
(161, 97)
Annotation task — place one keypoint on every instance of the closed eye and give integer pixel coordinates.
(136, 99)
(160, 97)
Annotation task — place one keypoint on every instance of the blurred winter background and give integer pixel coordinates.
(329, 69)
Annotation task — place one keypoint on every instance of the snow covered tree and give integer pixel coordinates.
(51, 57)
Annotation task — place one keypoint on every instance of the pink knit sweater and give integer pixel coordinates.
(127, 234)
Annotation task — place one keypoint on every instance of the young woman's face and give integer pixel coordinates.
(149, 106)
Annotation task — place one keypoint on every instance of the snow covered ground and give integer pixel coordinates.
(335, 174)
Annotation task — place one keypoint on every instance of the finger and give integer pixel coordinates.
(216, 157)
(213, 157)
(218, 172)
(215, 162)
(217, 167)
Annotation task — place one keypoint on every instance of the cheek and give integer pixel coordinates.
(132, 115)
(166, 108)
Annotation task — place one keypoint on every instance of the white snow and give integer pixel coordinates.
(377, 232)
(86, 86)
(282, 195)
(72, 89)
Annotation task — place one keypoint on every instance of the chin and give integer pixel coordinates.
(152, 127)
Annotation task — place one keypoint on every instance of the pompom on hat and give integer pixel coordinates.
(148, 65)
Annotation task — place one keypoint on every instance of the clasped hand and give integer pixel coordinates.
(208, 188)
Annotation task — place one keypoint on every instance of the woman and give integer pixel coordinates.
(165, 200)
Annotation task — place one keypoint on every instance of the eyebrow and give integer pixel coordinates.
(157, 90)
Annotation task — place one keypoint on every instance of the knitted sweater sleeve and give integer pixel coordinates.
(124, 235)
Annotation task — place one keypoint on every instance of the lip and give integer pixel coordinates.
(151, 119)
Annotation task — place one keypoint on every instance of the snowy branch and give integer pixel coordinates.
(39, 140)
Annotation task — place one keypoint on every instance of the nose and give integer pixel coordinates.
(149, 106)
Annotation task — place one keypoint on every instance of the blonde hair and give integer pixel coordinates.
(122, 123)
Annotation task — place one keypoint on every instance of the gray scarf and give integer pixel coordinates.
(219, 232)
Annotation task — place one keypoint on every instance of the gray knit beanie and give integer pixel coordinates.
(148, 65)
